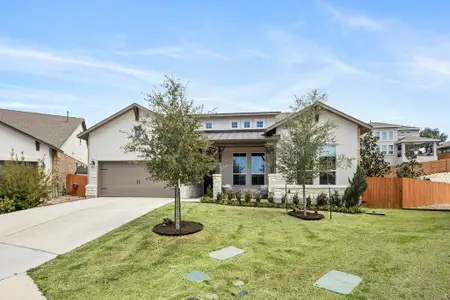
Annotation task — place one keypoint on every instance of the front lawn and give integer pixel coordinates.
(404, 255)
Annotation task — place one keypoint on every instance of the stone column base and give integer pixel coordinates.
(91, 191)
(217, 184)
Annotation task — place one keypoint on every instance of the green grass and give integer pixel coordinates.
(404, 255)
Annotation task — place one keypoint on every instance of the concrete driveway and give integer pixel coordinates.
(32, 237)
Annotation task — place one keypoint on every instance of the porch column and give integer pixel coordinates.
(272, 181)
(217, 184)
(435, 148)
(403, 151)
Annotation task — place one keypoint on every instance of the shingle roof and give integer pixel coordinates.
(444, 145)
(50, 129)
(415, 138)
(382, 125)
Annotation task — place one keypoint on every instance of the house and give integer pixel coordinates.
(444, 150)
(394, 139)
(244, 161)
(51, 139)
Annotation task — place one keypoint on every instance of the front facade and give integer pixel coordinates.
(240, 139)
(49, 139)
(393, 141)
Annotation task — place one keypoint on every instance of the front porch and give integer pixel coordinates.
(424, 148)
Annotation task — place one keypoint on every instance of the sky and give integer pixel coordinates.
(385, 61)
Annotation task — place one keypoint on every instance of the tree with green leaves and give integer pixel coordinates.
(169, 141)
(432, 134)
(372, 160)
(357, 187)
(410, 169)
(300, 147)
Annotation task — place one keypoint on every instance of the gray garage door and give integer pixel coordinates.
(123, 179)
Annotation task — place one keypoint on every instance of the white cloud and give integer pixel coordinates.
(188, 51)
(255, 53)
(354, 20)
(432, 64)
(21, 105)
(64, 59)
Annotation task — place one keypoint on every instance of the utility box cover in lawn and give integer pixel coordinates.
(338, 282)
(226, 253)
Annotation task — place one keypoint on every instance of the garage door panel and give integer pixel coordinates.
(123, 179)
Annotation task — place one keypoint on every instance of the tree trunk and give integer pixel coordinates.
(178, 206)
(305, 211)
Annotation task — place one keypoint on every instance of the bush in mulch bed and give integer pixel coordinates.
(309, 216)
(186, 227)
(267, 204)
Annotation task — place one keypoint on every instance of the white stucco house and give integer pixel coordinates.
(241, 140)
(51, 139)
(393, 140)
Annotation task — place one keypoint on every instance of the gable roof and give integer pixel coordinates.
(388, 125)
(364, 125)
(53, 130)
(84, 135)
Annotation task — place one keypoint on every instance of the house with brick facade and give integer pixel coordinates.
(50, 139)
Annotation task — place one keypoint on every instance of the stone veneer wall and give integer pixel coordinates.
(278, 188)
(62, 165)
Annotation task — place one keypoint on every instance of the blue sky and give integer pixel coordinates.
(377, 60)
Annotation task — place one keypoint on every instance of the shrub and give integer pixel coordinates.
(219, 197)
(6, 205)
(295, 199)
(270, 198)
(336, 199)
(238, 196)
(356, 189)
(209, 192)
(229, 196)
(204, 199)
(248, 196)
(308, 201)
(283, 199)
(322, 199)
(258, 198)
(23, 185)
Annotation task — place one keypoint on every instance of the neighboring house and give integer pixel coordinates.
(244, 162)
(51, 139)
(444, 148)
(393, 140)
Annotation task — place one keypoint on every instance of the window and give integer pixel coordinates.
(384, 149)
(391, 149)
(38, 145)
(383, 136)
(208, 125)
(259, 124)
(247, 124)
(234, 124)
(258, 168)
(137, 131)
(399, 150)
(328, 161)
(377, 134)
(391, 135)
(239, 168)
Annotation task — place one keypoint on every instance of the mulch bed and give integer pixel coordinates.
(186, 228)
(309, 216)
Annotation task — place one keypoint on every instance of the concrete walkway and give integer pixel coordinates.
(32, 237)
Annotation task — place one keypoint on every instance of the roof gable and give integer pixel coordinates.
(388, 125)
(328, 108)
(85, 134)
(53, 130)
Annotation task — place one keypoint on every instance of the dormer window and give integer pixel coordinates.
(208, 125)
(234, 124)
(260, 124)
(247, 124)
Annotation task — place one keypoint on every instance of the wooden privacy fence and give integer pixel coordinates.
(79, 180)
(404, 193)
(429, 167)
(444, 156)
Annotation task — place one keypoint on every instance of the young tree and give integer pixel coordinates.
(372, 160)
(411, 169)
(357, 187)
(300, 147)
(169, 140)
